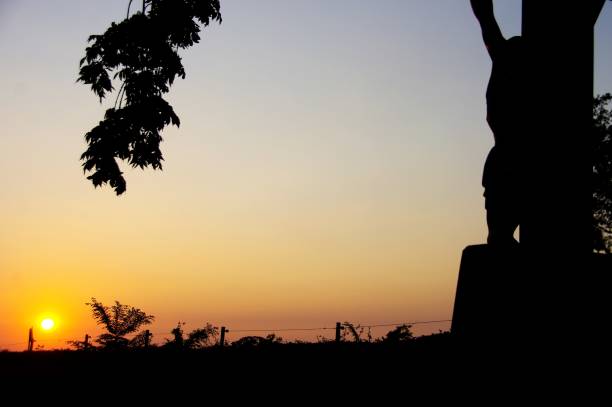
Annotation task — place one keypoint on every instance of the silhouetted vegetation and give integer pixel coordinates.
(602, 174)
(203, 337)
(256, 341)
(352, 332)
(141, 340)
(400, 334)
(142, 52)
(251, 366)
(120, 320)
(197, 339)
(81, 345)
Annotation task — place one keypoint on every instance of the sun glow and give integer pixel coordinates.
(47, 324)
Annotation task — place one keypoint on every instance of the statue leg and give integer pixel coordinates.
(500, 200)
(502, 224)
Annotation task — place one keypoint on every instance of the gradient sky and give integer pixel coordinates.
(327, 168)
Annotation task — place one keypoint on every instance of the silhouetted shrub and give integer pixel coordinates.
(256, 341)
(203, 337)
(80, 345)
(401, 333)
(119, 320)
(197, 339)
(352, 331)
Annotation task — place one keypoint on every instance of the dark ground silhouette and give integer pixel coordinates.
(429, 369)
(329, 358)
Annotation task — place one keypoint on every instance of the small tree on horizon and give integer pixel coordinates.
(119, 320)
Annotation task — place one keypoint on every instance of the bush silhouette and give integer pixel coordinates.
(355, 332)
(257, 341)
(119, 320)
(401, 333)
(197, 339)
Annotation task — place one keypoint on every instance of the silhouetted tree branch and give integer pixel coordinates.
(128, 10)
(142, 52)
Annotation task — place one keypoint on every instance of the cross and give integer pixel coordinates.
(558, 212)
(552, 279)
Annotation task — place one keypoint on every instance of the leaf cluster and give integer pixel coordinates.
(142, 53)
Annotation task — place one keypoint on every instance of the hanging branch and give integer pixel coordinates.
(120, 94)
(142, 52)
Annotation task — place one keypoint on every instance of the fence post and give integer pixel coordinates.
(222, 339)
(30, 340)
(338, 329)
(147, 338)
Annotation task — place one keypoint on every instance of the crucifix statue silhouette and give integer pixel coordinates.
(538, 175)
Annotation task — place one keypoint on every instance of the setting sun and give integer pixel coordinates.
(47, 324)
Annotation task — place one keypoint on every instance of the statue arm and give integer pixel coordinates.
(597, 6)
(491, 33)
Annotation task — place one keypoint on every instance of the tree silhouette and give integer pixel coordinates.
(119, 320)
(602, 174)
(141, 52)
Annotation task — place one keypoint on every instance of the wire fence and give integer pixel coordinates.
(229, 330)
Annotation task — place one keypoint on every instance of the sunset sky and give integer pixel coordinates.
(327, 169)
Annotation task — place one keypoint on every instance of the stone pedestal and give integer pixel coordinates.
(507, 296)
(486, 302)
